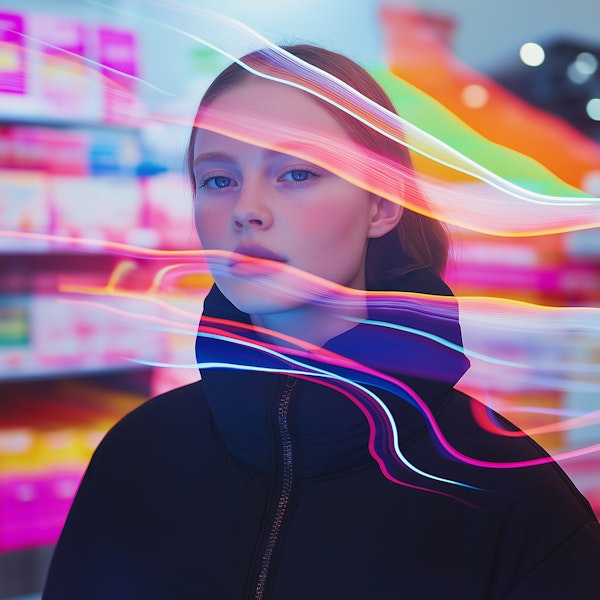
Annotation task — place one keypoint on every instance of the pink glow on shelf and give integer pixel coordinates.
(35, 506)
(12, 70)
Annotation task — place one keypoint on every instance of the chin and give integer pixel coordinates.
(258, 296)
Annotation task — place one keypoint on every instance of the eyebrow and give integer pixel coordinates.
(224, 157)
(214, 157)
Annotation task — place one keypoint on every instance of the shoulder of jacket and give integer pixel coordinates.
(167, 415)
(174, 404)
(510, 461)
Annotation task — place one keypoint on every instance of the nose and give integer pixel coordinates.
(251, 210)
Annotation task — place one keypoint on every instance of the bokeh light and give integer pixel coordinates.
(593, 109)
(475, 96)
(532, 54)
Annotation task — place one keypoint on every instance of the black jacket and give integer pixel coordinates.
(269, 484)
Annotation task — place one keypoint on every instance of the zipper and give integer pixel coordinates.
(286, 487)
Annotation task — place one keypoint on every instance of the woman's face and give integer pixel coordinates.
(276, 206)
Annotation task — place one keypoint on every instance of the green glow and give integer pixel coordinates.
(429, 115)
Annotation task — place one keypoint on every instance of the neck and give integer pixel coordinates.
(314, 323)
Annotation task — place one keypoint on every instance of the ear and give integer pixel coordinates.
(385, 215)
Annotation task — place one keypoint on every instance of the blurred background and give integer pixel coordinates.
(95, 107)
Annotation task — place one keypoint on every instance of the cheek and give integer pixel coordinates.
(339, 210)
(335, 238)
(212, 224)
(344, 224)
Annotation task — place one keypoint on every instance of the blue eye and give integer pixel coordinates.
(298, 175)
(217, 181)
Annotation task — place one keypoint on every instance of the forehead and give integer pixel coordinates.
(272, 107)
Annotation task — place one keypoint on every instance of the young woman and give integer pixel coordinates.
(324, 453)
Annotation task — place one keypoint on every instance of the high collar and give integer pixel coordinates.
(244, 378)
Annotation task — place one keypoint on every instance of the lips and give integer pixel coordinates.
(256, 251)
(243, 260)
